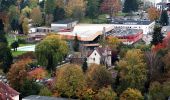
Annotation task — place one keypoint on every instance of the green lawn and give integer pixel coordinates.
(101, 19)
(17, 53)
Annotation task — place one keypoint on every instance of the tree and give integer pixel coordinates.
(36, 16)
(130, 5)
(131, 94)
(29, 87)
(106, 93)
(153, 13)
(157, 36)
(25, 26)
(49, 19)
(111, 7)
(133, 72)
(51, 51)
(26, 11)
(75, 8)
(15, 45)
(85, 66)
(155, 91)
(33, 3)
(98, 77)
(76, 44)
(45, 92)
(92, 8)
(17, 74)
(50, 6)
(153, 65)
(5, 52)
(38, 73)
(70, 80)
(5, 4)
(164, 19)
(14, 14)
(59, 13)
(166, 62)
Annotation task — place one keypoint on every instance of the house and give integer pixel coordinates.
(37, 97)
(8, 93)
(100, 56)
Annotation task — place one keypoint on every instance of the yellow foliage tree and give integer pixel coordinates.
(98, 76)
(106, 93)
(133, 70)
(70, 80)
(131, 94)
(25, 26)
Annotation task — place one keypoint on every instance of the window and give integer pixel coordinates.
(95, 54)
(93, 59)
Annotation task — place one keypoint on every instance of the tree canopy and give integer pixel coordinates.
(51, 51)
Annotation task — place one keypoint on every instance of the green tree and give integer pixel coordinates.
(59, 13)
(15, 45)
(5, 52)
(164, 19)
(106, 93)
(98, 77)
(70, 80)
(157, 36)
(131, 94)
(5, 4)
(50, 6)
(76, 44)
(29, 88)
(130, 5)
(155, 91)
(92, 8)
(85, 66)
(133, 71)
(45, 92)
(51, 51)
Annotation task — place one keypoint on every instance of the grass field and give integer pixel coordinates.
(17, 53)
(101, 19)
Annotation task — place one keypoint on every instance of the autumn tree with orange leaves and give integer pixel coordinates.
(153, 13)
(17, 73)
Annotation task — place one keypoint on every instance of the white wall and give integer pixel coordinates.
(16, 97)
(94, 58)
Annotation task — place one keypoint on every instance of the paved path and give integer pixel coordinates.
(26, 48)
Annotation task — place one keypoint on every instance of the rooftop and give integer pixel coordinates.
(132, 22)
(37, 97)
(6, 92)
(64, 21)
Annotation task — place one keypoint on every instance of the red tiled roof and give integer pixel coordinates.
(6, 92)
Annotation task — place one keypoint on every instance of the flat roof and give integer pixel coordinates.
(132, 22)
(124, 32)
(66, 21)
(37, 97)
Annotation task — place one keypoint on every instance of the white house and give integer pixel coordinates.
(100, 56)
(8, 93)
(145, 25)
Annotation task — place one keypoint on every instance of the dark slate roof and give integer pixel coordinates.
(66, 21)
(132, 22)
(37, 97)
